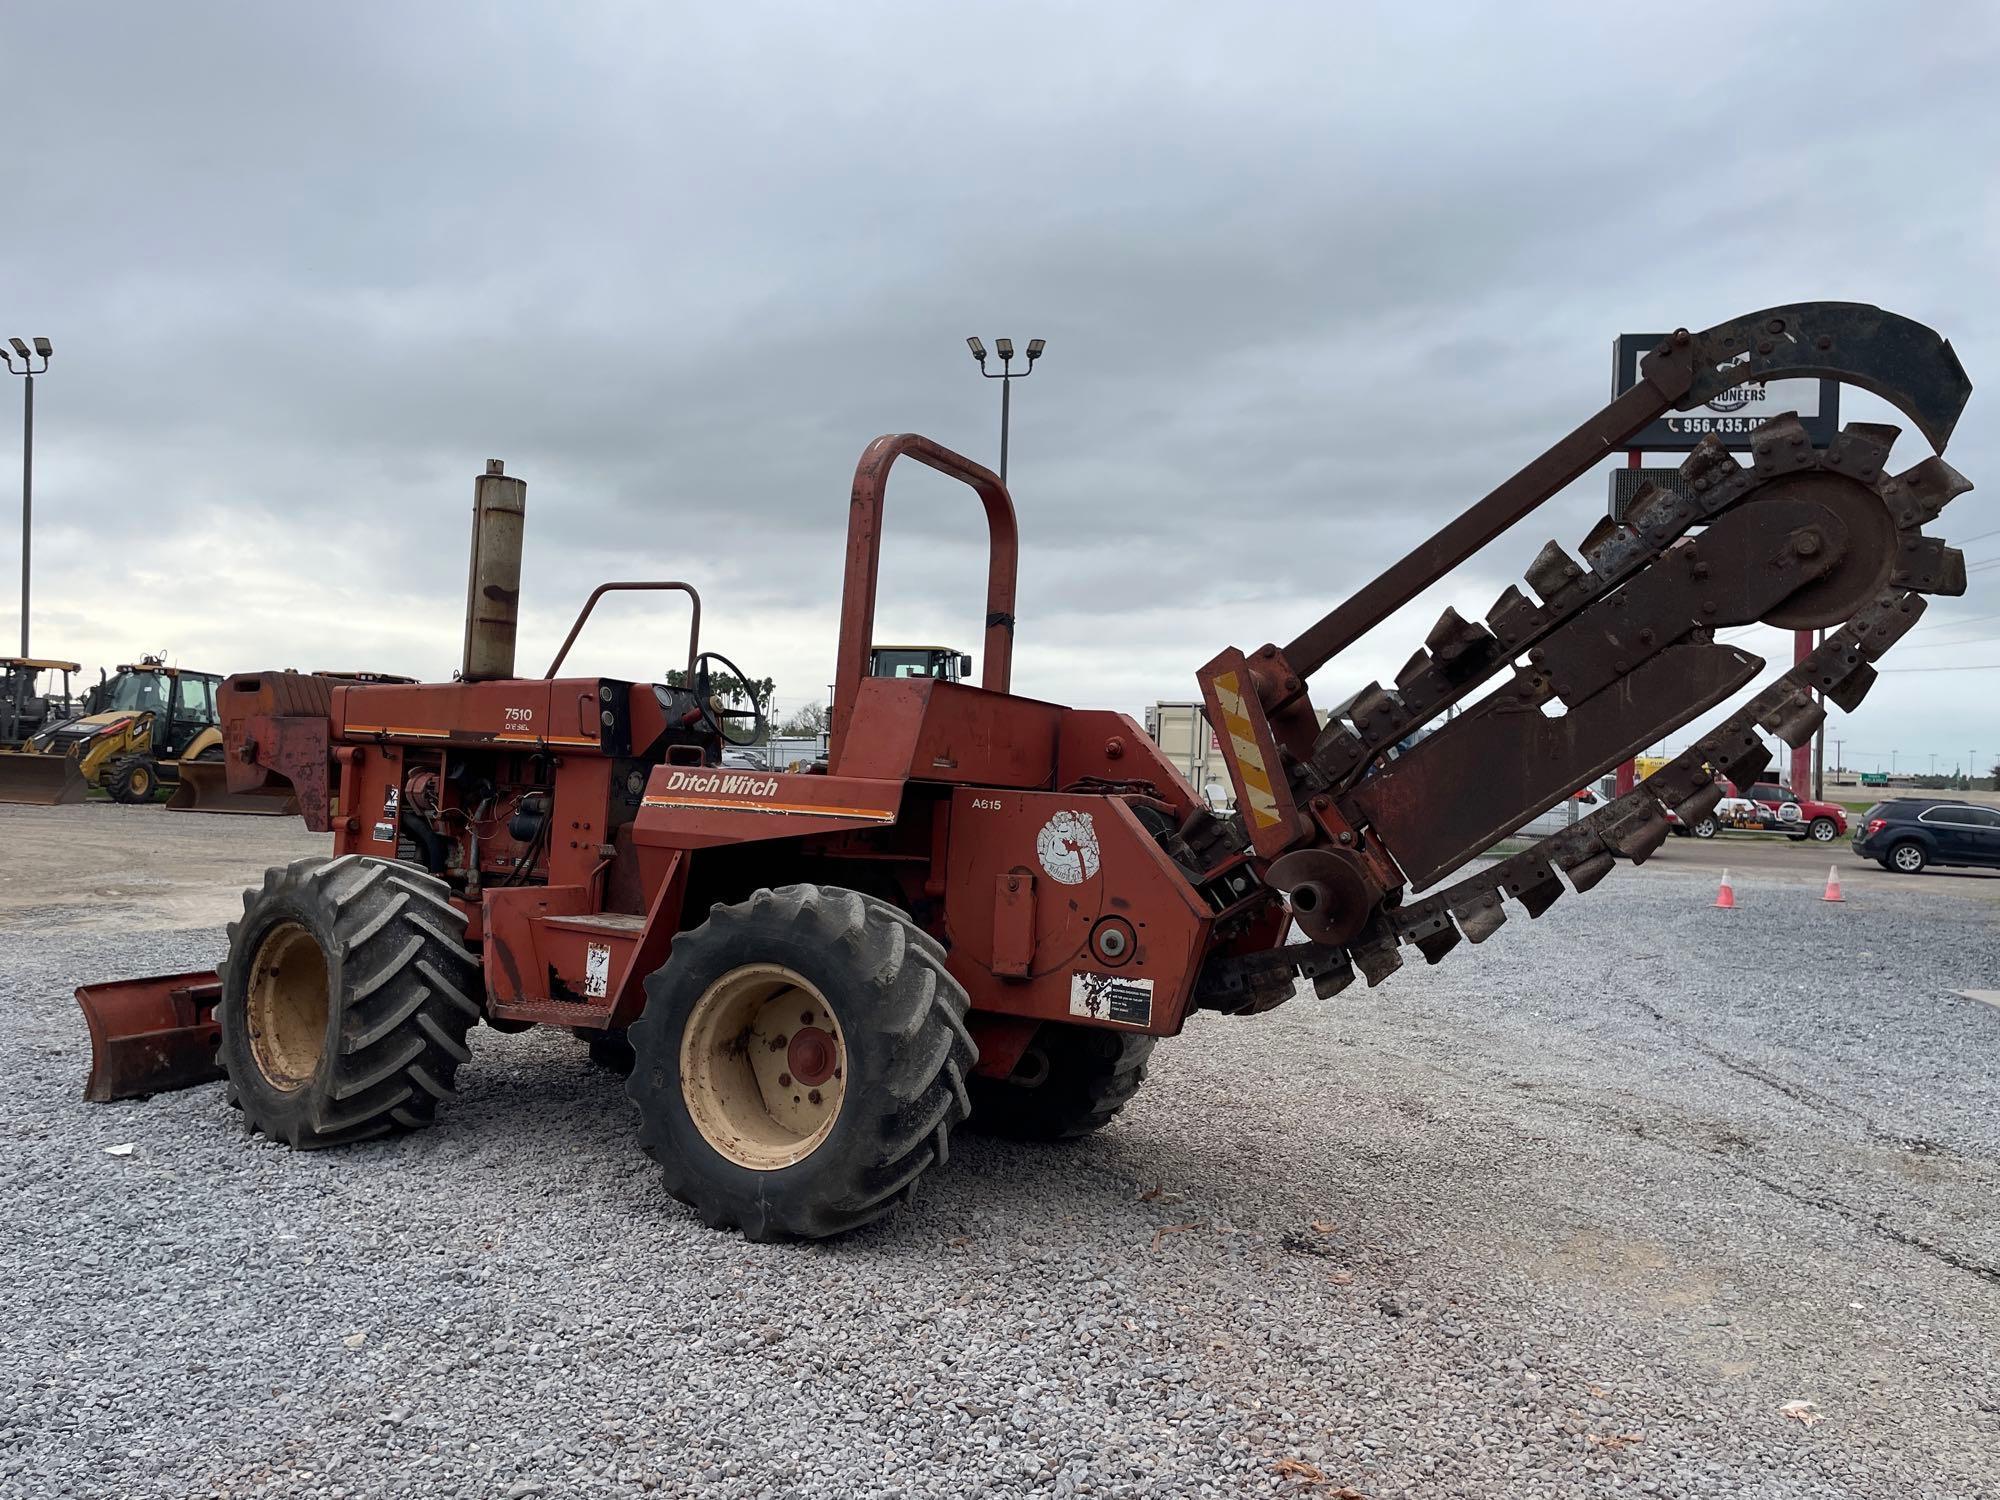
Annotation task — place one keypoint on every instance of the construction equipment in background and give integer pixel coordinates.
(991, 906)
(202, 782)
(27, 705)
(136, 728)
(944, 663)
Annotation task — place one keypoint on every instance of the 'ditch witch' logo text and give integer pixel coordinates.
(724, 783)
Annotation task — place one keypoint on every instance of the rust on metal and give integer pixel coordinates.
(149, 1036)
(864, 560)
(204, 787)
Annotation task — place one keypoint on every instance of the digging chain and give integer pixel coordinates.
(1461, 656)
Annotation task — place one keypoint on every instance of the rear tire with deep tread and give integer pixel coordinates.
(1091, 1074)
(901, 1022)
(132, 780)
(401, 990)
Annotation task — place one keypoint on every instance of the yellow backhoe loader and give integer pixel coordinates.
(136, 730)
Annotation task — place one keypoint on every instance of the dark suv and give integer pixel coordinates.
(1910, 833)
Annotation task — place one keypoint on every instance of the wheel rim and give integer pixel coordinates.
(1908, 859)
(763, 1067)
(286, 1006)
(1823, 831)
(141, 783)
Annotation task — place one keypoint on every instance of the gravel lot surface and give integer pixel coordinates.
(1575, 1213)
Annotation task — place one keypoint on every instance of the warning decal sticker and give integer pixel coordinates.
(1107, 997)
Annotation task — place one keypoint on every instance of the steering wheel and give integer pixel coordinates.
(713, 715)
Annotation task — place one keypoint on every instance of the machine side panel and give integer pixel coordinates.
(1096, 743)
(695, 807)
(1116, 934)
(565, 714)
(928, 730)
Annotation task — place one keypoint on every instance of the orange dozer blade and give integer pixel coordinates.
(204, 787)
(40, 780)
(149, 1036)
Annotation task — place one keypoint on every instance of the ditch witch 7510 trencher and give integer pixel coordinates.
(982, 905)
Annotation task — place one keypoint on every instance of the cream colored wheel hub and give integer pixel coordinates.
(285, 1009)
(763, 1067)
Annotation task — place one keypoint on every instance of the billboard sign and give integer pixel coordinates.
(1733, 415)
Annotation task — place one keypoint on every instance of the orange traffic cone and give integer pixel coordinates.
(1832, 885)
(1725, 896)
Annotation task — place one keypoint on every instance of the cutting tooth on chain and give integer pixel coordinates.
(1551, 571)
(1330, 972)
(1585, 873)
(1862, 448)
(1795, 718)
(1481, 916)
(1700, 805)
(1377, 959)
(1852, 688)
(1647, 506)
(1926, 564)
(1709, 465)
(1600, 548)
(1639, 831)
(1922, 491)
(1782, 445)
(1513, 617)
(1374, 711)
(1436, 944)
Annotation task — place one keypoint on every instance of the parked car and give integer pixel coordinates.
(1768, 808)
(1908, 833)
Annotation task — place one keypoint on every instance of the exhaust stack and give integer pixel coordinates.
(493, 582)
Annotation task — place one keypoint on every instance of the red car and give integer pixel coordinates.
(1769, 808)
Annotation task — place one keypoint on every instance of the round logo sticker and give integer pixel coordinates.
(1067, 848)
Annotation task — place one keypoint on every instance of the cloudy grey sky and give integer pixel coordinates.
(1313, 278)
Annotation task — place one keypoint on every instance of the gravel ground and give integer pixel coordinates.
(1574, 1214)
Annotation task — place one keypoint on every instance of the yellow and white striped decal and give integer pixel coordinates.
(1243, 746)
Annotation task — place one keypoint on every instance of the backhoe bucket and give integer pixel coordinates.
(40, 780)
(204, 787)
(149, 1036)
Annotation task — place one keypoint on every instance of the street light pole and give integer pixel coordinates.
(42, 350)
(1005, 349)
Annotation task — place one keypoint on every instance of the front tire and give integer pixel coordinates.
(1908, 858)
(346, 997)
(847, 994)
(1081, 1077)
(1704, 827)
(1823, 831)
(131, 779)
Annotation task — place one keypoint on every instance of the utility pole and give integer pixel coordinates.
(42, 350)
(1005, 349)
(1819, 743)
